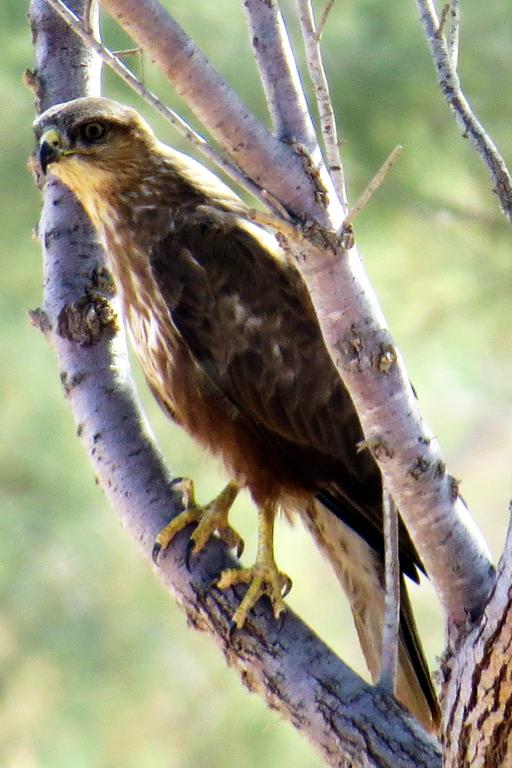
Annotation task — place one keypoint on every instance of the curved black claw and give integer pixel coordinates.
(287, 586)
(280, 621)
(155, 552)
(176, 481)
(232, 626)
(188, 553)
(240, 548)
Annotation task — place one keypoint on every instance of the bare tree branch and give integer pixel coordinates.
(390, 635)
(452, 36)
(279, 74)
(450, 545)
(349, 722)
(323, 98)
(372, 187)
(323, 17)
(445, 61)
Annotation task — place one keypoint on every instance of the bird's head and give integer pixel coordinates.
(110, 159)
(88, 141)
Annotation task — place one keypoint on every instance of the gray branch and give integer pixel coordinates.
(445, 56)
(278, 73)
(390, 635)
(318, 77)
(478, 726)
(355, 333)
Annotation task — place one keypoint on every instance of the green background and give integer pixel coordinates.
(97, 666)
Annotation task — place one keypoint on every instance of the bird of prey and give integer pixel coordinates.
(230, 345)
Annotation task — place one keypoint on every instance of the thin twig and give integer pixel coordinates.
(389, 656)
(442, 20)
(452, 38)
(133, 52)
(172, 117)
(445, 64)
(373, 186)
(323, 98)
(450, 20)
(323, 18)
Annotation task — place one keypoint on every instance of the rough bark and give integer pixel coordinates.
(478, 684)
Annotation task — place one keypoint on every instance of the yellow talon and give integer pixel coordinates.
(211, 518)
(263, 578)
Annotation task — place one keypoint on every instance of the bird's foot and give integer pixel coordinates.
(264, 578)
(211, 518)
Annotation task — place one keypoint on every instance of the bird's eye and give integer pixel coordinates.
(93, 131)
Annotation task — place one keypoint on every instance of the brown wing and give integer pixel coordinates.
(249, 323)
(247, 319)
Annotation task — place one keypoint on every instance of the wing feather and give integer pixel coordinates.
(247, 318)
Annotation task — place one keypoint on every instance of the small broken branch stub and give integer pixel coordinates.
(84, 321)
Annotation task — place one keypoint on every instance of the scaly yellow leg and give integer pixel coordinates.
(263, 578)
(211, 518)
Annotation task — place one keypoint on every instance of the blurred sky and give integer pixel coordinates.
(97, 667)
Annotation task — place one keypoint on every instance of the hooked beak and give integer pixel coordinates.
(50, 148)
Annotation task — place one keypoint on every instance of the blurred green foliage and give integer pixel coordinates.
(97, 667)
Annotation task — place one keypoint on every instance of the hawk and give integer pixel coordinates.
(230, 345)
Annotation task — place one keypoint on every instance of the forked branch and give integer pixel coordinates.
(444, 52)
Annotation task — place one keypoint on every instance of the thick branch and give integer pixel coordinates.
(478, 692)
(349, 722)
(445, 61)
(447, 540)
